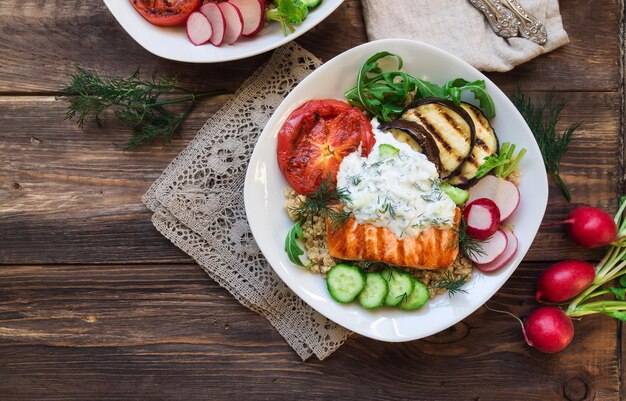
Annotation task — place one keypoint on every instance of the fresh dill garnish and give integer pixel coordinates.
(435, 196)
(387, 207)
(468, 246)
(542, 119)
(326, 202)
(356, 180)
(451, 284)
(134, 101)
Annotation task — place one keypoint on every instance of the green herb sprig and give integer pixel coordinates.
(323, 202)
(542, 118)
(384, 94)
(503, 163)
(134, 101)
(451, 284)
(468, 246)
(290, 12)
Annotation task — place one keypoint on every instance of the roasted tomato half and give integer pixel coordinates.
(166, 12)
(315, 139)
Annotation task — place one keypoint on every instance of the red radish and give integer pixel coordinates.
(216, 18)
(548, 329)
(504, 193)
(590, 227)
(493, 247)
(509, 251)
(252, 12)
(199, 28)
(482, 217)
(233, 22)
(564, 280)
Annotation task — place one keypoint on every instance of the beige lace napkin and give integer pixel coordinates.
(457, 27)
(198, 205)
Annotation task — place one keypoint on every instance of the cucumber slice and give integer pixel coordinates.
(375, 291)
(345, 282)
(400, 286)
(417, 298)
(459, 196)
(386, 151)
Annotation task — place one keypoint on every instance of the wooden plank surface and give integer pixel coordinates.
(166, 332)
(83, 204)
(95, 304)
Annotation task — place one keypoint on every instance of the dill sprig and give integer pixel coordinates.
(325, 202)
(134, 101)
(451, 284)
(470, 247)
(542, 120)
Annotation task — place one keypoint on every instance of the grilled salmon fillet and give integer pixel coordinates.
(433, 249)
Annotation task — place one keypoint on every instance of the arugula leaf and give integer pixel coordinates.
(622, 281)
(294, 252)
(384, 94)
(620, 293)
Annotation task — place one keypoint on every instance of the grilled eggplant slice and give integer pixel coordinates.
(486, 144)
(413, 134)
(451, 128)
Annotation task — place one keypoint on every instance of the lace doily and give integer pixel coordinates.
(198, 205)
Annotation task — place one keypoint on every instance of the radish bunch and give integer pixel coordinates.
(225, 22)
(491, 201)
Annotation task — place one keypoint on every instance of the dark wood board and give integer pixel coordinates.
(95, 304)
(75, 196)
(167, 332)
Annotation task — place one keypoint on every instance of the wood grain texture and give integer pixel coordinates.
(75, 196)
(169, 333)
(36, 57)
(95, 304)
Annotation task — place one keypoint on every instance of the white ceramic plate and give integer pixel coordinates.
(172, 43)
(265, 185)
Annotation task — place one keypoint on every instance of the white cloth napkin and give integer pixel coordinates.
(457, 27)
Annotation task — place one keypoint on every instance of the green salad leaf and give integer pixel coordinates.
(294, 252)
(385, 94)
(504, 162)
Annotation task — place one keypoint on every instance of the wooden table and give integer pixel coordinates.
(95, 304)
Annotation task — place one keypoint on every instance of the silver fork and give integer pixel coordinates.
(509, 19)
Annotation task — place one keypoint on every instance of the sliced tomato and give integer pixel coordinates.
(166, 12)
(316, 137)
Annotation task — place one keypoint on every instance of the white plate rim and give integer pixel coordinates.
(157, 40)
(288, 104)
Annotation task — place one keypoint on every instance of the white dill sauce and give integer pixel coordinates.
(395, 187)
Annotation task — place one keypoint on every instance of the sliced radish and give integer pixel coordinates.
(233, 22)
(497, 263)
(252, 14)
(504, 193)
(482, 217)
(493, 247)
(216, 18)
(199, 28)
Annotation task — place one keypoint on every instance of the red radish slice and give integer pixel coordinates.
(216, 18)
(252, 13)
(199, 29)
(482, 217)
(233, 20)
(504, 193)
(500, 261)
(493, 247)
